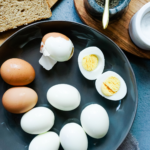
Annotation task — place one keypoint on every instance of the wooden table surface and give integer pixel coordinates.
(118, 30)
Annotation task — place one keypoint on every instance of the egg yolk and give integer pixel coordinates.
(110, 86)
(90, 62)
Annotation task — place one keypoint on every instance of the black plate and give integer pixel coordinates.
(25, 44)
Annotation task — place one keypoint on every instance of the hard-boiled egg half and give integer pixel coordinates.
(55, 47)
(111, 86)
(91, 62)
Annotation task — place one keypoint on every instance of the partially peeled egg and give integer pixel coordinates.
(91, 62)
(111, 86)
(55, 47)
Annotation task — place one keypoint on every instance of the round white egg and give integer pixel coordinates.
(92, 75)
(38, 120)
(95, 121)
(59, 48)
(46, 141)
(73, 137)
(64, 97)
(120, 94)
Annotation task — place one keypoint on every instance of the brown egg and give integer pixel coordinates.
(17, 72)
(19, 99)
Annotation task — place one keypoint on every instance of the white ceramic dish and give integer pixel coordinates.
(139, 28)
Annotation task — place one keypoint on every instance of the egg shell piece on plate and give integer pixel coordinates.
(19, 99)
(120, 94)
(46, 141)
(38, 120)
(73, 137)
(95, 121)
(55, 47)
(92, 75)
(64, 97)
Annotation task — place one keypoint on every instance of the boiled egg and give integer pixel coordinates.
(73, 137)
(17, 72)
(111, 86)
(95, 121)
(38, 120)
(55, 47)
(45, 141)
(64, 97)
(91, 62)
(19, 99)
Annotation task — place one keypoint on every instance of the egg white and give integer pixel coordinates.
(92, 75)
(73, 137)
(46, 141)
(95, 121)
(58, 48)
(118, 95)
(55, 49)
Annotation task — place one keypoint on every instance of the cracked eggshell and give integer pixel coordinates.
(55, 47)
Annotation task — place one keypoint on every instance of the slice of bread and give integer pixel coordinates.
(15, 13)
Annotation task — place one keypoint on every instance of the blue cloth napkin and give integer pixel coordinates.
(130, 143)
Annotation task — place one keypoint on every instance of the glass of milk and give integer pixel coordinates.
(139, 28)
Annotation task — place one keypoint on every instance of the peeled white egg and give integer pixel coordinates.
(118, 95)
(73, 137)
(55, 47)
(38, 120)
(95, 121)
(46, 141)
(64, 97)
(92, 75)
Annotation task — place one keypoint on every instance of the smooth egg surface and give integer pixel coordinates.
(89, 66)
(17, 72)
(95, 121)
(19, 99)
(38, 120)
(73, 137)
(120, 94)
(46, 141)
(64, 97)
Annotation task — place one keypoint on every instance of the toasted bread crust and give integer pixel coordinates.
(14, 13)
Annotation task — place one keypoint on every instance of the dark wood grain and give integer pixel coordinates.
(118, 30)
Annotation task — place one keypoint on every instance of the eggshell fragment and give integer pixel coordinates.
(55, 47)
(17, 72)
(19, 99)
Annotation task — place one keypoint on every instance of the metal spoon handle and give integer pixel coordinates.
(105, 19)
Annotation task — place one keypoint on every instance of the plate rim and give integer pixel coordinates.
(120, 50)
